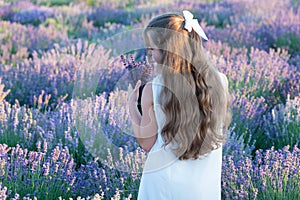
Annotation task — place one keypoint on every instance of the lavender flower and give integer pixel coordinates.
(270, 174)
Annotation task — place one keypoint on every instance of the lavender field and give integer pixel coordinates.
(58, 142)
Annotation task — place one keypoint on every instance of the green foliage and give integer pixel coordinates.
(90, 2)
(290, 41)
(54, 2)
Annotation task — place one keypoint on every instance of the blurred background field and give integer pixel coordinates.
(44, 43)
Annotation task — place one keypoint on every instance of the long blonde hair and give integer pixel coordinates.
(196, 103)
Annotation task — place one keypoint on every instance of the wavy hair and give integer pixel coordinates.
(195, 100)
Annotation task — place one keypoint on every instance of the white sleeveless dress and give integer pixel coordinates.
(167, 178)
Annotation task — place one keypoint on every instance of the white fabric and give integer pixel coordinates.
(191, 23)
(167, 178)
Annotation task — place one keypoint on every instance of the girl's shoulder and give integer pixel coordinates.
(224, 80)
(157, 78)
(157, 81)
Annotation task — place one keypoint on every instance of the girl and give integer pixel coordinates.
(185, 113)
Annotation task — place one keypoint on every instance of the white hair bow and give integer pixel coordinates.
(191, 23)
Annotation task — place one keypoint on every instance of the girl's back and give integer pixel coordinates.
(167, 177)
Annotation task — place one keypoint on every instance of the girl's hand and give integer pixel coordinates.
(133, 94)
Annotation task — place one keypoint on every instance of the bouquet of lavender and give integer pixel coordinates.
(137, 71)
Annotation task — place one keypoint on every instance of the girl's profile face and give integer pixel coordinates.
(154, 53)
